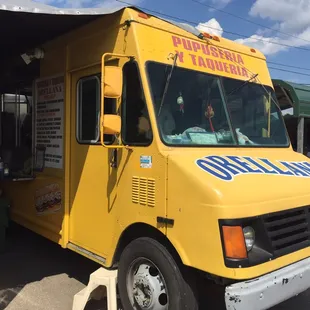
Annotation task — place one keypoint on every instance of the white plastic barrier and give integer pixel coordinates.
(101, 277)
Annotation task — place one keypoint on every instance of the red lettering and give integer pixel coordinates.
(219, 65)
(234, 57)
(214, 51)
(226, 67)
(180, 56)
(222, 55)
(196, 46)
(193, 59)
(205, 49)
(240, 60)
(233, 69)
(228, 55)
(176, 41)
(187, 44)
(245, 72)
(239, 70)
(201, 62)
(210, 64)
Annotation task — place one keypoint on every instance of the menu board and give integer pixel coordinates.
(49, 111)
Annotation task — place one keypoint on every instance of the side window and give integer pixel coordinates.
(88, 111)
(136, 125)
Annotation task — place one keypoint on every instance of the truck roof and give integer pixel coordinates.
(185, 29)
(33, 24)
(80, 16)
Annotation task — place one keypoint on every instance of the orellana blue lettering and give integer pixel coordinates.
(227, 167)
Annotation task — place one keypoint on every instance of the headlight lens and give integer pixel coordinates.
(249, 236)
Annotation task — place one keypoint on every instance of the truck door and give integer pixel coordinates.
(141, 169)
(91, 220)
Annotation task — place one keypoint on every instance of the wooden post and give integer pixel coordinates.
(300, 135)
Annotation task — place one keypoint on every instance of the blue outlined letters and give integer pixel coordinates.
(227, 167)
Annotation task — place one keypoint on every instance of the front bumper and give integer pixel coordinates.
(269, 290)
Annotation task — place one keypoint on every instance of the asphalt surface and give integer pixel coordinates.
(36, 274)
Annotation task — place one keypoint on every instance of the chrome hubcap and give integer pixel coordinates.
(146, 287)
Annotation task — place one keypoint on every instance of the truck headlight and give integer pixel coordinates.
(245, 242)
(249, 237)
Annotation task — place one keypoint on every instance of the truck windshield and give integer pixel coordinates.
(203, 109)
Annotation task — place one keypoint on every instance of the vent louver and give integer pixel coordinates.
(143, 191)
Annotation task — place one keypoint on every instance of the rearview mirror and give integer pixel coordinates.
(111, 124)
(113, 82)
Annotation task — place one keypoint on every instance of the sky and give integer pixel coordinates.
(256, 23)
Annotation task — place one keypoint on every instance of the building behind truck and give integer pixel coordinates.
(160, 151)
(294, 101)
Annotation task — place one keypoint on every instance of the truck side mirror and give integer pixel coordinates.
(111, 87)
(112, 82)
(112, 124)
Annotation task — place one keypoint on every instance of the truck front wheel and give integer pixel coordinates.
(150, 279)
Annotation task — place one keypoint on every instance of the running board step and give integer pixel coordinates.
(101, 277)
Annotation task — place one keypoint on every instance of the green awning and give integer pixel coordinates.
(294, 95)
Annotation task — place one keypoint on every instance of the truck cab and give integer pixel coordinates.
(233, 185)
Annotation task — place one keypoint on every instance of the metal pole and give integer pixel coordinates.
(300, 135)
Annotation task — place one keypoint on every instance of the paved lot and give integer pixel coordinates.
(36, 274)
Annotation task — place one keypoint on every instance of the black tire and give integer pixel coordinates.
(179, 294)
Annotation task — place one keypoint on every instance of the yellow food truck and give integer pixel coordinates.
(162, 152)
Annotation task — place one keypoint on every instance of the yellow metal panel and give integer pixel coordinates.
(142, 202)
(91, 215)
(23, 196)
(200, 200)
(53, 62)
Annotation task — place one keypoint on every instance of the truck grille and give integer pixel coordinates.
(288, 231)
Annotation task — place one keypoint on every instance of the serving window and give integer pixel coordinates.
(16, 136)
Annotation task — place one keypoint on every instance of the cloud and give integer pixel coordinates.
(264, 44)
(292, 15)
(85, 3)
(212, 26)
(288, 16)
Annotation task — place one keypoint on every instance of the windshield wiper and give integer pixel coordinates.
(245, 83)
(167, 83)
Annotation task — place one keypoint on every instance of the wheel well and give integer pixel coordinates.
(139, 230)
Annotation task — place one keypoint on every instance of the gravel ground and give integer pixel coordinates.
(36, 274)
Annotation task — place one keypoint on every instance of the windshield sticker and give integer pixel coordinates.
(211, 57)
(227, 167)
(145, 161)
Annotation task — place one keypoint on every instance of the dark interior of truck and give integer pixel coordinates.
(22, 33)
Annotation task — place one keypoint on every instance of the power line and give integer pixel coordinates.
(248, 20)
(288, 66)
(218, 29)
(284, 70)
